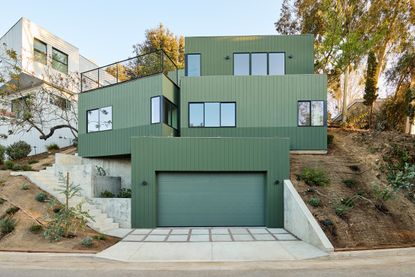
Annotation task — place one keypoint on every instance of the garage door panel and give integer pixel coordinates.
(211, 199)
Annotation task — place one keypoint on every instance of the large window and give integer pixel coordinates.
(311, 113)
(163, 109)
(212, 114)
(20, 106)
(258, 64)
(241, 64)
(59, 61)
(99, 119)
(60, 102)
(39, 51)
(193, 65)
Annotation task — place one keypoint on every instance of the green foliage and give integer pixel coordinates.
(2, 152)
(314, 201)
(25, 186)
(26, 167)
(404, 179)
(12, 210)
(100, 237)
(330, 139)
(124, 193)
(33, 162)
(36, 229)
(384, 193)
(87, 242)
(52, 147)
(348, 201)
(350, 183)
(18, 150)
(41, 197)
(7, 225)
(314, 177)
(9, 164)
(106, 194)
(341, 210)
(370, 94)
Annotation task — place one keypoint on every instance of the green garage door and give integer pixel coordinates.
(211, 199)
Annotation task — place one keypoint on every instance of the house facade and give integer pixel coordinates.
(48, 63)
(208, 146)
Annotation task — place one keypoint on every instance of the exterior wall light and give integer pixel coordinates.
(277, 182)
(144, 183)
(290, 56)
(227, 57)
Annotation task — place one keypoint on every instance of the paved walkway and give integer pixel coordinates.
(210, 244)
(210, 234)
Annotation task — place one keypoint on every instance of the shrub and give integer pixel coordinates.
(52, 147)
(106, 194)
(383, 194)
(24, 186)
(314, 201)
(9, 164)
(41, 197)
(26, 167)
(314, 177)
(330, 139)
(12, 210)
(350, 183)
(403, 179)
(100, 237)
(87, 242)
(33, 162)
(18, 150)
(2, 152)
(7, 225)
(341, 210)
(124, 193)
(36, 228)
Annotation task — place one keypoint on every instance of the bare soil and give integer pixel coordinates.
(33, 212)
(370, 223)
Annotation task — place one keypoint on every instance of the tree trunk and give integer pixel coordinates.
(370, 116)
(345, 94)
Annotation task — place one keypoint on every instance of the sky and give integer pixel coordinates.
(105, 31)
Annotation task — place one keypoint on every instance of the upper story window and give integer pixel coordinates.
(20, 106)
(61, 102)
(99, 119)
(212, 114)
(59, 61)
(39, 51)
(245, 64)
(241, 64)
(192, 65)
(163, 109)
(311, 113)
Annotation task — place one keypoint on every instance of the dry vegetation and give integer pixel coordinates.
(353, 209)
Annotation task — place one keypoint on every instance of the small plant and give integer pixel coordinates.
(350, 183)
(404, 179)
(341, 210)
(9, 164)
(16, 167)
(18, 150)
(41, 197)
(87, 242)
(314, 201)
(33, 162)
(100, 237)
(348, 201)
(24, 186)
(2, 152)
(36, 229)
(101, 171)
(106, 194)
(124, 193)
(314, 177)
(12, 210)
(330, 139)
(26, 167)
(383, 194)
(52, 147)
(7, 225)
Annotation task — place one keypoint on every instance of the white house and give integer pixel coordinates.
(50, 67)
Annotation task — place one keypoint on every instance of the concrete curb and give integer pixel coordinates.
(373, 253)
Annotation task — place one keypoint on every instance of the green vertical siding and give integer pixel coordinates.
(265, 106)
(151, 155)
(215, 50)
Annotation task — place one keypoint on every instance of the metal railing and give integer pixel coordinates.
(133, 68)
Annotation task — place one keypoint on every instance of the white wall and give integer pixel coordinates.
(13, 38)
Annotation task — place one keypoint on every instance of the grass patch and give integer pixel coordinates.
(41, 197)
(7, 225)
(314, 201)
(52, 147)
(87, 242)
(12, 210)
(36, 229)
(314, 177)
(33, 162)
(24, 186)
(100, 237)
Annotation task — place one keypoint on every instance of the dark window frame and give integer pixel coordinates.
(53, 100)
(161, 109)
(35, 50)
(220, 114)
(151, 110)
(186, 68)
(233, 63)
(54, 60)
(250, 62)
(285, 62)
(99, 121)
(324, 113)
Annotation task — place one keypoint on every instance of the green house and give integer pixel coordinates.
(209, 145)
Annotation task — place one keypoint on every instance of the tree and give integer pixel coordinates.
(371, 84)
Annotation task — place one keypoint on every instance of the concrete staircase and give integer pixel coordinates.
(49, 182)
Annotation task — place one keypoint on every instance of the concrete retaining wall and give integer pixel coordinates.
(117, 208)
(300, 222)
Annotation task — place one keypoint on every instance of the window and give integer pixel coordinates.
(99, 119)
(212, 114)
(276, 63)
(161, 108)
(259, 64)
(20, 106)
(39, 51)
(60, 102)
(59, 61)
(311, 113)
(241, 64)
(193, 65)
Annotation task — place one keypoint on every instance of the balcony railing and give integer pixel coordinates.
(133, 68)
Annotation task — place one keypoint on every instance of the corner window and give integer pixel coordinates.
(276, 63)
(241, 64)
(311, 113)
(212, 114)
(99, 119)
(192, 65)
(259, 64)
(155, 109)
(163, 109)
(59, 61)
(39, 51)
